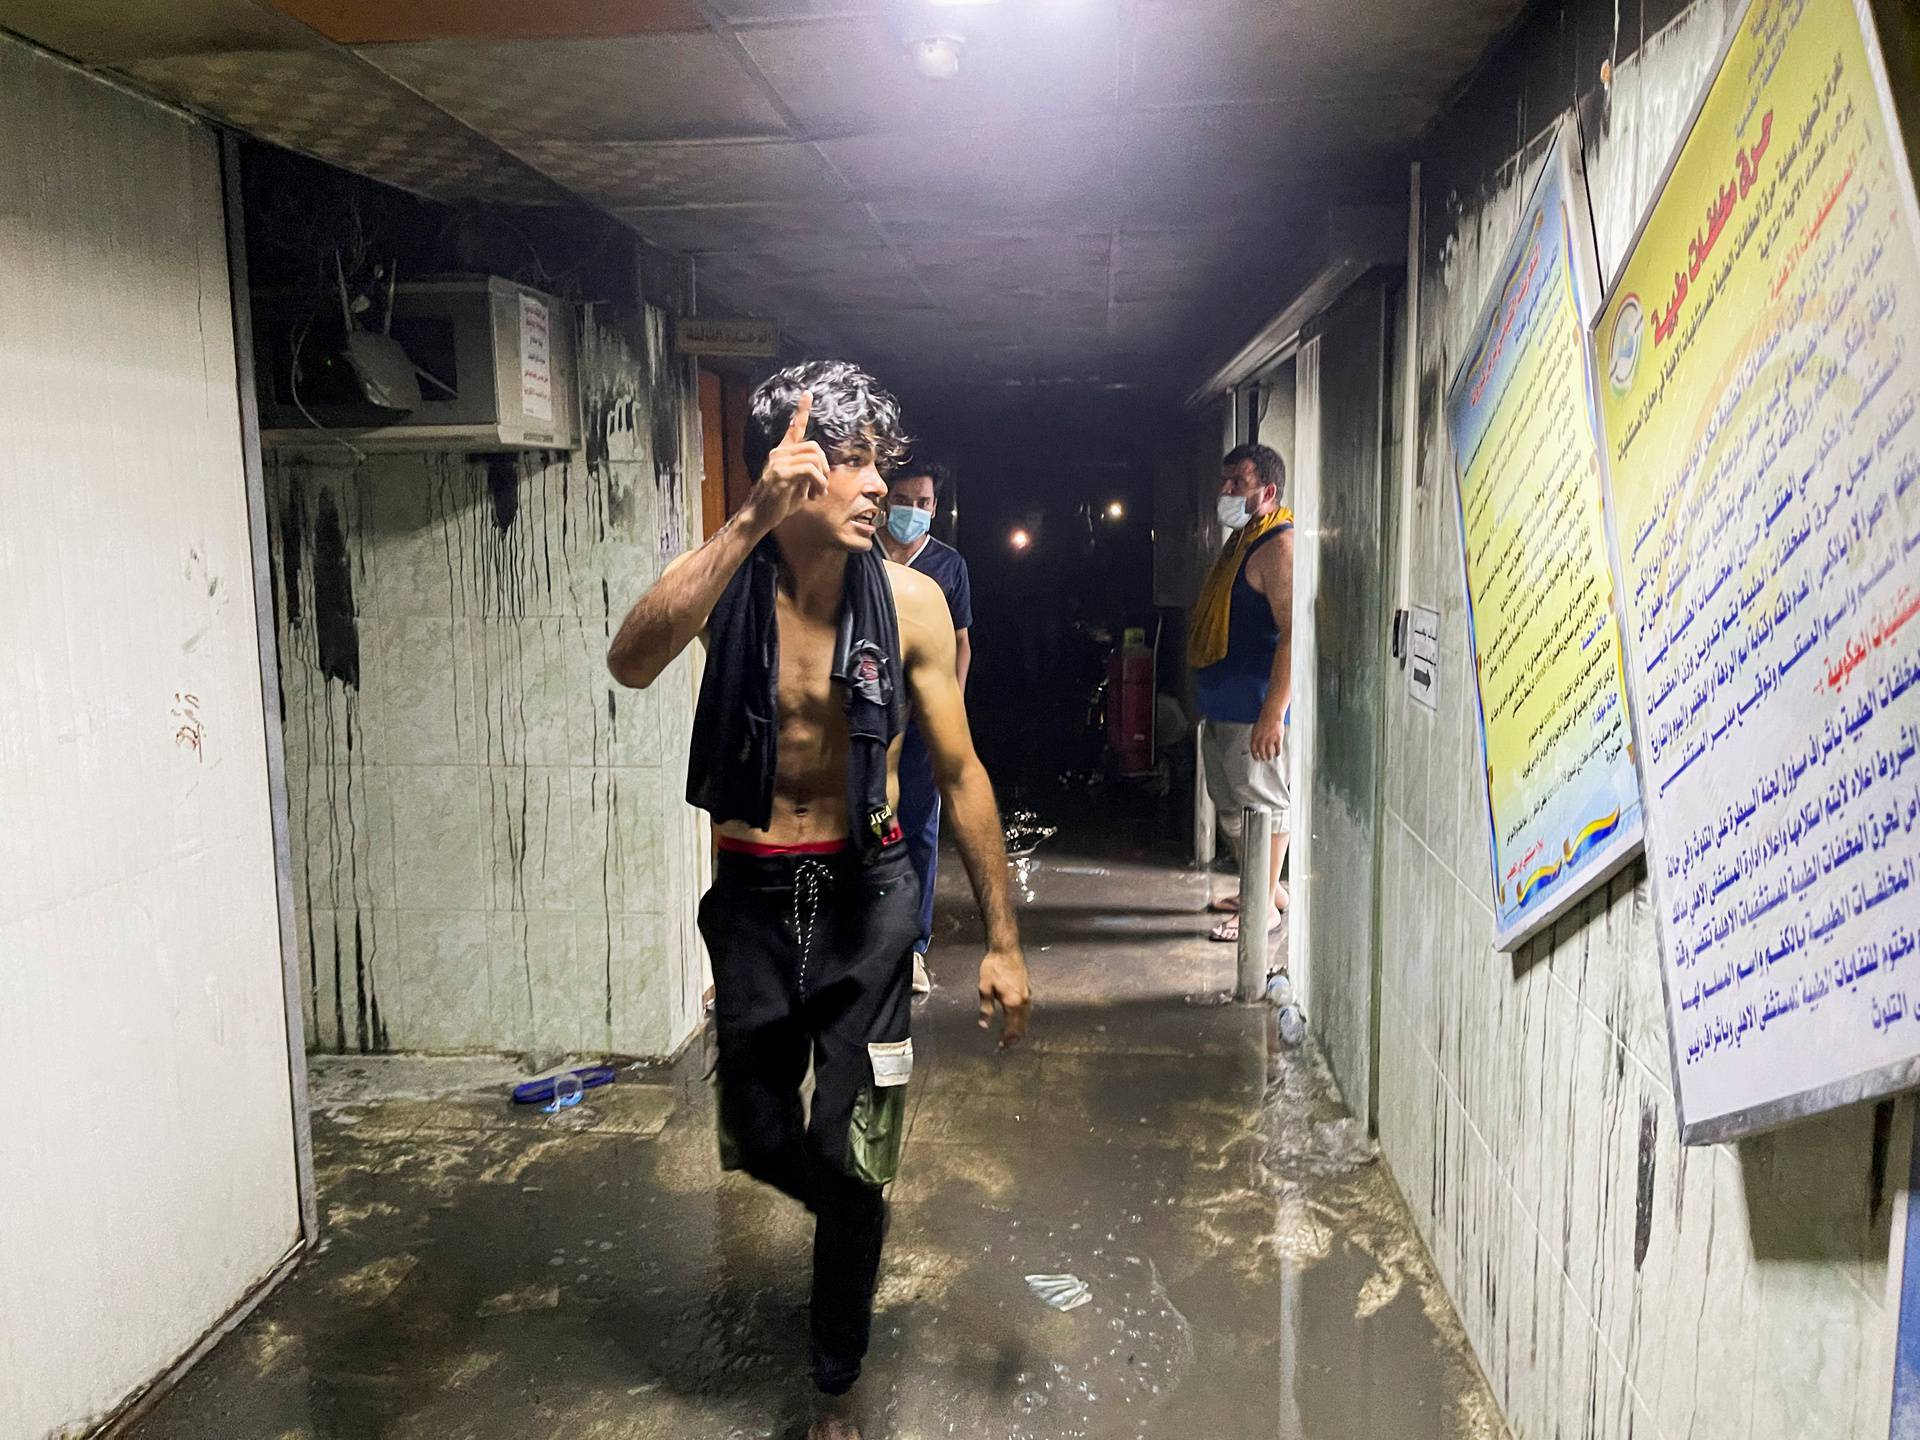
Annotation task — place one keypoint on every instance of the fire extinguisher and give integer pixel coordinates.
(1130, 704)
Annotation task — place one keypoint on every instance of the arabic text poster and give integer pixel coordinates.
(1563, 800)
(1761, 350)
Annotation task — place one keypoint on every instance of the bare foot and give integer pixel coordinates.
(834, 1418)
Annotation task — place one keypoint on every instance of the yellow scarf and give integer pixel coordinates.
(1208, 642)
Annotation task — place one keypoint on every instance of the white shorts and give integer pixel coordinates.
(1236, 780)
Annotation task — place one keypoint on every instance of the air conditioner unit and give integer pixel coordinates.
(497, 365)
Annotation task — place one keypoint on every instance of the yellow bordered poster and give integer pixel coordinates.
(1563, 800)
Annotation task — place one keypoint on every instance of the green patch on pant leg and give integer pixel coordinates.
(878, 1129)
(730, 1158)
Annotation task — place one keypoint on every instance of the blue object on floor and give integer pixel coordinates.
(540, 1092)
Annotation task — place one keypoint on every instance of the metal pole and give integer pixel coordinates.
(1256, 899)
(1203, 812)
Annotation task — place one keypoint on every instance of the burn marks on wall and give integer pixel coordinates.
(336, 621)
(477, 819)
(1643, 1192)
(668, 447)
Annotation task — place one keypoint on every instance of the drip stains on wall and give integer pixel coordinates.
(486, 856)
(1643, 1195)
(503, 480)
(335, 621)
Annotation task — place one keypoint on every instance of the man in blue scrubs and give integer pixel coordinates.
(913, 499)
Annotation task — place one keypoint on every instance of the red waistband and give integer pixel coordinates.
(735, 846)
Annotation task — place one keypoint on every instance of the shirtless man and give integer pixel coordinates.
(813, 914)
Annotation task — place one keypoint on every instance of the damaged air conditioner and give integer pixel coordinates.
(464, 364)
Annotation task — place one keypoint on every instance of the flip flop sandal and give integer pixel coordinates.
(1227, 932)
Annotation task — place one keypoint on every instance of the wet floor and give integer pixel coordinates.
(498, 1273)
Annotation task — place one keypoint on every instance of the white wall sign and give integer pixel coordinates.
(1423, 656)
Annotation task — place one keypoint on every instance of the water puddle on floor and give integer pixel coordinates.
(1248, 1270)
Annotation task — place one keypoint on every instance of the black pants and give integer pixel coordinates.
(812, 959)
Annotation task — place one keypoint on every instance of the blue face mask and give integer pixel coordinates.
(907, 523)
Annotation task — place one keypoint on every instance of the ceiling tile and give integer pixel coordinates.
(364, 22)
(852, 288)
(112, 31)
(857, 77)
(1183, 165)
(1149, 321)
(947, 221)
(332, 107)
(961, 270)
(1159, 263)
(1014, 256)
(650, 87)
(620, 173)
(990, 170)
(801, 264)
(753, 229)
(1204, 50)
(1082, 316)
(752, 12)
(1009, 214)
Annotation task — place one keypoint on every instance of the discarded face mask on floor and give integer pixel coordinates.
(1062, 1292)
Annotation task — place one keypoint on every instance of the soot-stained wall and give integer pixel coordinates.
(1613, 1282)
(490, 846)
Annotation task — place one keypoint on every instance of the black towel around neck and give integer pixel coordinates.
(736, 722)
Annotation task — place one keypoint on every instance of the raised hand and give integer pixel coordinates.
(795, 473)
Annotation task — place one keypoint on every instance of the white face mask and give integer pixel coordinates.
(1233, 512)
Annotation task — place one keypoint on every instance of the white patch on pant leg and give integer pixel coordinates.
(892, 1062)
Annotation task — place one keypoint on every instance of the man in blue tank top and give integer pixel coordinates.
(1241, 648)
(913, 499)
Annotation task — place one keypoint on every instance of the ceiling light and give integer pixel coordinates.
(1020, 540)
(937, 57)
(1116, 511)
